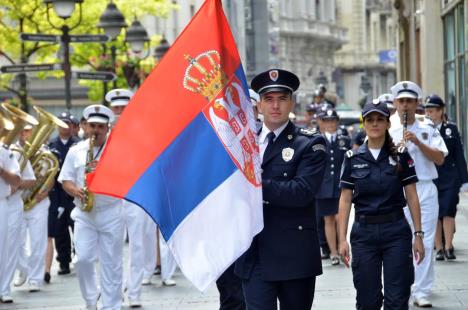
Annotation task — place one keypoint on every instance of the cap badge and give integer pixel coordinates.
(405, 85)
(387, 97)
(329, 113)
(117, 93)
(425, 135)
(375, 101)
(290, 137)
(97, 109)
(274, 74)
(287, 154)
(448, 131)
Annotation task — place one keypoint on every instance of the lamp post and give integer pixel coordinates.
(365, 85)
(137, 38)
(321, 79)
(112, 21)
(64, 9)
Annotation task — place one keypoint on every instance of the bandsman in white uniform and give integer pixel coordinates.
(9, 179)
(31, 263)
(427, 148)
(98, 231)
(140, 227)
(15, 222)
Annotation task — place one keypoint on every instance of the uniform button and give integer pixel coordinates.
(266, 202)
(332, 173)
(332, 165)
(331, 151)
(299, 227)
(331, 158)
(285, 174)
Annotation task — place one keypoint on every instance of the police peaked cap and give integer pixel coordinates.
(434, 101)
(275, 80)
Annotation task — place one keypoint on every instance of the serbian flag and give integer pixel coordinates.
(185, 150)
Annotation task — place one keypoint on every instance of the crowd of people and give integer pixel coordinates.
(402, 173)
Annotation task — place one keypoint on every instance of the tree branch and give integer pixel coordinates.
(7, 57)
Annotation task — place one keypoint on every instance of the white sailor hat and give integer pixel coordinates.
(119, 97)
(254, 97)
(98, 113)
(406, 89)
(388, 99)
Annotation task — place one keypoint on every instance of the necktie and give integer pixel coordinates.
(271, 136)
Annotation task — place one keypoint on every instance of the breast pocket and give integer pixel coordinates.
(361, 179)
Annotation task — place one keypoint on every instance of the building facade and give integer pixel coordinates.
(366, 63)
(432, 48)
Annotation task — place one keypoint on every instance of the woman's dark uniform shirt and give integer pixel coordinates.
(377, 186)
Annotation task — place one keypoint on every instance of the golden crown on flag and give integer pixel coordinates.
(205, 75)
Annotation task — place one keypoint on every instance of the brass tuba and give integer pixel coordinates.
(19, 119)
(43, 162)
(87, 202)
(6, 124)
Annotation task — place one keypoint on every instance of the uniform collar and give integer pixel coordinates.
(364, 149)
(265, 131)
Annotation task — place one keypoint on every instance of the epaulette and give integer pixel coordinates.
(308, 132)
(402, 149)
(350, 153)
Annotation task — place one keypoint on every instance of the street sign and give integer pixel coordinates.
(84, 38)
(96, 75)
(30, 68)
(39, 37)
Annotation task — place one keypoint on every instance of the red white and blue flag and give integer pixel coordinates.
(185, 150)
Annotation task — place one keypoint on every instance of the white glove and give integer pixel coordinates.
(464, 187)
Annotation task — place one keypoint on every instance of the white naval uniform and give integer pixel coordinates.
(9, 163)
(97, 235)
(15, 226)
(427, 193)
(168, 262)
(31, 262)
(151, 247)
(142, 244)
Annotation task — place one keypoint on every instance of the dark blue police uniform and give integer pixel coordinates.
(284, 259)
(380, 234)
(61, 205)
(453, 173)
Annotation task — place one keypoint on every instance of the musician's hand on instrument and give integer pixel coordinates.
(92, 165)
(42, 195)
(79, 193)
(14, 189)
(409, 136)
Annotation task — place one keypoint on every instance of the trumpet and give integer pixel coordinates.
(87, 202)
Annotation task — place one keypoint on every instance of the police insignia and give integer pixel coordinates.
(405, 85)
(341, 143)
(287, 154)
(391, 161)
(410, 163)
(306, 132)
(448, 131)
(290, 137)
(273, 75)
(319, 147)
(425, 135)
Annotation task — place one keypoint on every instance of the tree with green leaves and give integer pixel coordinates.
(29, 16)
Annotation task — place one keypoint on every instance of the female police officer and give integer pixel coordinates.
(452, 175)
(376, 177)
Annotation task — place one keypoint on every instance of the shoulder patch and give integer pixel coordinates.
(307, 132)
(350, 153)
(319, 147)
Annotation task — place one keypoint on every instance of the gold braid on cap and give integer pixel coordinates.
(205, 75)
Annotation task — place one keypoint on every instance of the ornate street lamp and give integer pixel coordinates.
(64, 9)
(161, 49)
(112, 21)
(137, 37)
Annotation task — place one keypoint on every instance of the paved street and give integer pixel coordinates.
(334, 289)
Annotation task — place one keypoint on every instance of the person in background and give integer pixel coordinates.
(453, 177)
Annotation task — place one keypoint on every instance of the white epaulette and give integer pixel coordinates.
(349, 153)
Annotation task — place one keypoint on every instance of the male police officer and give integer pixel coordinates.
(99, 231)
(284, 258)
(427, 148)
(61, 204)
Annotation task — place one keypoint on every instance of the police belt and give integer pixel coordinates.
(381, 218)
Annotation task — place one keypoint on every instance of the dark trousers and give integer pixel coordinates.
(377, 246)
(321, 234)
(230, 291)
(292, 294)
(62, 237)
